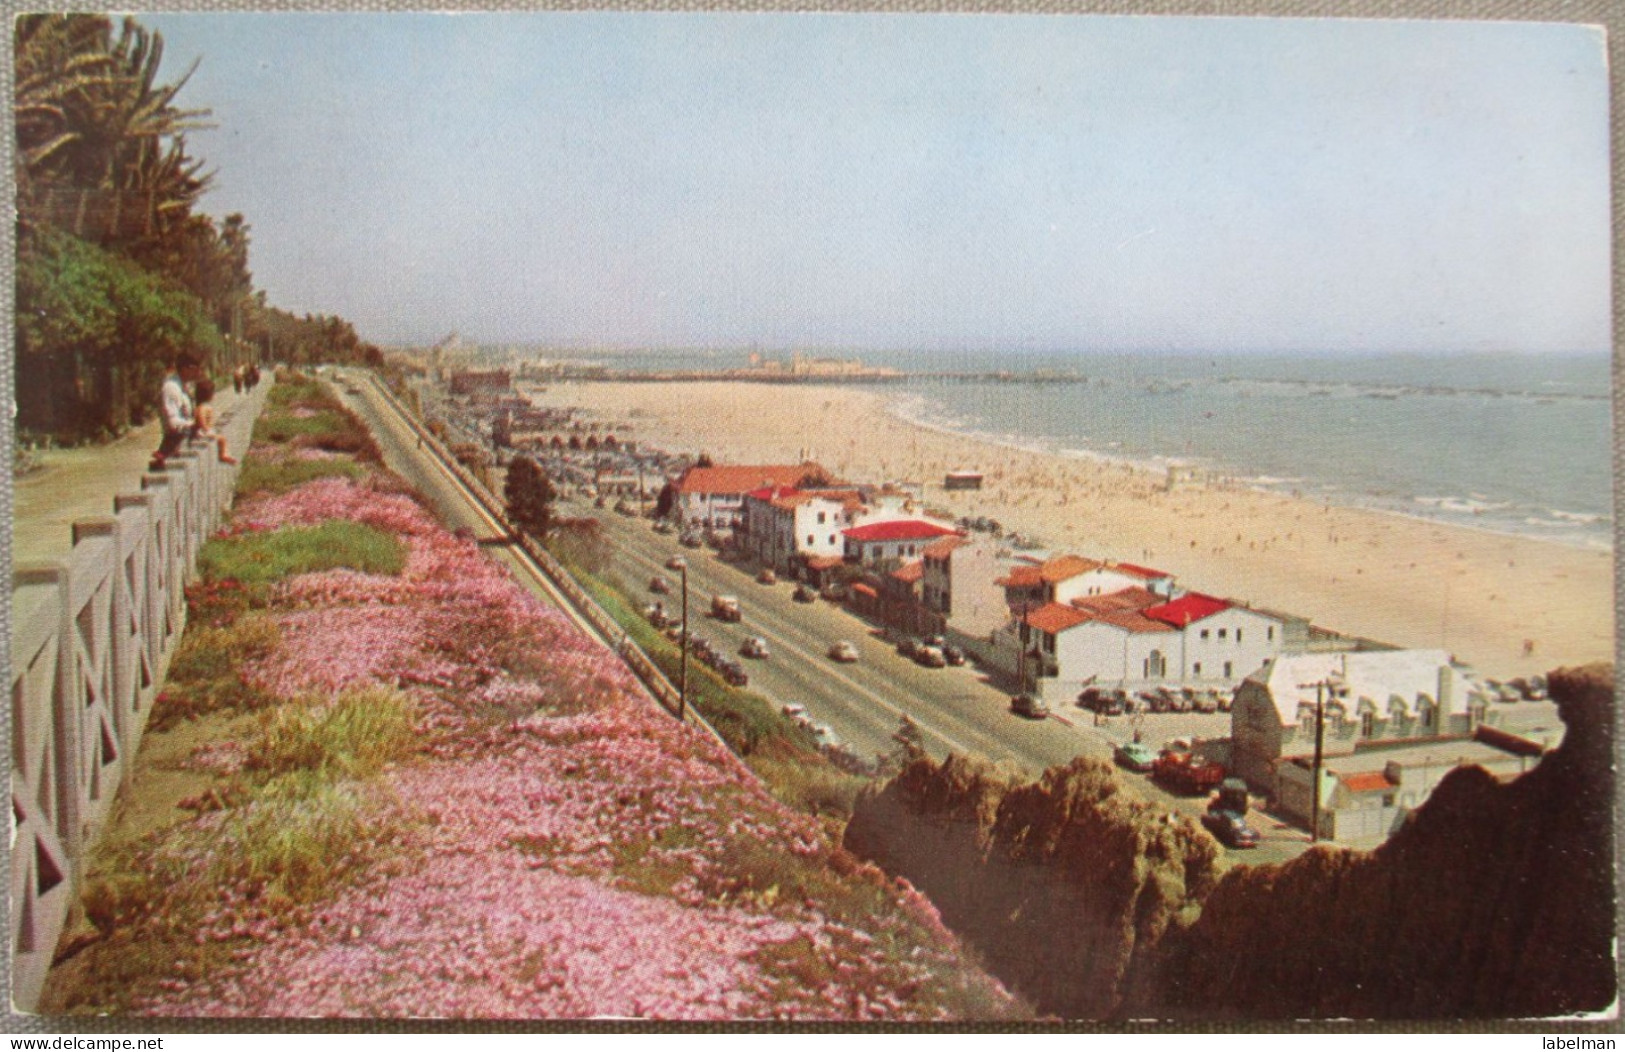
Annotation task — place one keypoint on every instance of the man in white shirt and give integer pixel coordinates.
(176, 408)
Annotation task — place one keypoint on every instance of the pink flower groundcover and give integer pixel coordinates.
(569, 851)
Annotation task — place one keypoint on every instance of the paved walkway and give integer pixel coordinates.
(73, 484)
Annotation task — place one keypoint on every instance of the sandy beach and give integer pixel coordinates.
(1480, 595)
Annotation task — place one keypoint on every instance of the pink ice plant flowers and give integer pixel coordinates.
(532, 796)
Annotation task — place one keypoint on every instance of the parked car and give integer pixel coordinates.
(936, 641)
(767, 576)
(662, 526)
(754, 647)
(803, 594)
(953, 655)
(1135, 757)
(676, 562)
(1230, 829)
(734, 673)
(691, 540)
(835, 593)
(725, 608)
(929, 656)
(1029, 705)
(907, 647)
(842, 651)
(659, 586)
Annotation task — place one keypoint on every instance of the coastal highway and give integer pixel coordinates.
(957, 709)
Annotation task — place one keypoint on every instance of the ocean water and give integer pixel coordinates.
(1506, 442)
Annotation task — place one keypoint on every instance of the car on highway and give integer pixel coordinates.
(842, 651)
(953, 655)
(908, 647)
(767, 576)
(1134, 756)
(1230, 829)
(676, 562)
(754, 647)
(1029, 705)
(726, 608)
(803, 594)
(659, 586)
(930, 656)
(734, 673)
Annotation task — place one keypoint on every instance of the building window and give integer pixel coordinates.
(1269, 633)
(1227, 670)
(1196, 669)
(1238, 635)
(820, 518)
(809, 538)
(1368, 724)
(1221, 633)
(1204, 633)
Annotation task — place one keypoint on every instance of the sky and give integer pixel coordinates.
(1043, 183)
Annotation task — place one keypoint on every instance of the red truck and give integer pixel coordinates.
(1181, 772)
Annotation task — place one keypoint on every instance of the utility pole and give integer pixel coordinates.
(1021, 658)
(1320, 741)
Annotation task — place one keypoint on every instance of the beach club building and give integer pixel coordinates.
(1136, 639)
(1393, 724)
(903, 539)
(714, 497)
(959, 585)
(1068, 577)
(784, 527)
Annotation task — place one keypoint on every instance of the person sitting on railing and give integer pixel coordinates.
(175, 409)
(205, 419)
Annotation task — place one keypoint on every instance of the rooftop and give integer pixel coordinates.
(741, 479)
(1192, 606)
(898, 530)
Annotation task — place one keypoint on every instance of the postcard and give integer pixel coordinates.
(866, 519)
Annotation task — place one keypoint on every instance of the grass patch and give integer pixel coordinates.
(267, 475)
(259, 559)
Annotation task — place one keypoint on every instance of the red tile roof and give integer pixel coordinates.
(772, 492)
(1126, 599)
(944, 548)
(1137, 571)
(898, 530)
(1021, 577)
(1190, 607)
(1366, 782)
(1056, 617)
(908, 573)
(745, 478)
(1060, 568)
(1131, 621)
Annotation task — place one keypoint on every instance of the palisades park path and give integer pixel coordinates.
(68, 485)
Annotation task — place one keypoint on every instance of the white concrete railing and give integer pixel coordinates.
(91, 641)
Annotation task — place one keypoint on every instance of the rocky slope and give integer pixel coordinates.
(1493, 901)
(1064, 887)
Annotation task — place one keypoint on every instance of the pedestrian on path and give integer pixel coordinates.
(205, 419)
(176, 409)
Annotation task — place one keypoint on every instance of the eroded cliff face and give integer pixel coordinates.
(1063, 887)
(1493, 901)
